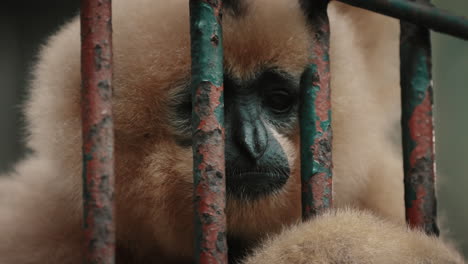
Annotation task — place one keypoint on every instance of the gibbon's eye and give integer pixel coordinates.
(279, 101)
(180, 106)
(186, 105)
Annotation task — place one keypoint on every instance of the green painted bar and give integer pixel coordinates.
(315, 117)
(208, 132)
(417, 128)
(417, 13)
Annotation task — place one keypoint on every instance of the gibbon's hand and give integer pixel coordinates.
(351, 236)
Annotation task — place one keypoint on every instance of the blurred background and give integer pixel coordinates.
(25, 25)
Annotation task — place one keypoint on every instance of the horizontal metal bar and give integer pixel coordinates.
(417, 13)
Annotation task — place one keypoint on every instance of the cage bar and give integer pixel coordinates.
(417, 13)
(417, 126)
(98, 135)
(208, 131)
(315, 116)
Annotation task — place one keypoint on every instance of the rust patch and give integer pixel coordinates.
(421, 128)
(98, 133)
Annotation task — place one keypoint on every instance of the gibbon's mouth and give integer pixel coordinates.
(255, 184)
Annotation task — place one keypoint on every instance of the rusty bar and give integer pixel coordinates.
(417, 126)
(418, 14)
(208, 131)
(315, 116)
(98, 135)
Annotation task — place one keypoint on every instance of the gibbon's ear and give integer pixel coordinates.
(351, 236)
(236, 8)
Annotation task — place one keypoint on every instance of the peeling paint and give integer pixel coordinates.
(98, 137)
(208, 132)
(315, 118)
(417, 126)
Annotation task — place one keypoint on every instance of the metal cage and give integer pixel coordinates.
(208, 119)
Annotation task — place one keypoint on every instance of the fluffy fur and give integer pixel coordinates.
(40, 203)
(356, 237)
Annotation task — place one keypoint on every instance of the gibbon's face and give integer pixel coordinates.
(257, 111)
(265, 52)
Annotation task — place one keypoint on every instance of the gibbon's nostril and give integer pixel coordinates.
(254, 138)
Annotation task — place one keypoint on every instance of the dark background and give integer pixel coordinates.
(25, 25)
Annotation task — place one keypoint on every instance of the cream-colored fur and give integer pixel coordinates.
(40, 203)
(356, 238)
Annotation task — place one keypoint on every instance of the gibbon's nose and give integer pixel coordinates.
(252, 135)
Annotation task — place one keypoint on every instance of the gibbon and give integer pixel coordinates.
(266, 48)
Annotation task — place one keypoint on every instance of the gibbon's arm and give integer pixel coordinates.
(350, 236)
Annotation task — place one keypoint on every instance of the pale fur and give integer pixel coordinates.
(356, 238)
(40, 203)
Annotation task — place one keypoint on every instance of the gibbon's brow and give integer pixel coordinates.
(287, 80)
(290, 82)
(236, 8)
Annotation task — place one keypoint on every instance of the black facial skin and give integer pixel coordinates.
(238, 248)
(256, 164)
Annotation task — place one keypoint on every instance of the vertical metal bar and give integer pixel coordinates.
(315, 116)
(208, 131)
(98, 135)
(417, 126)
